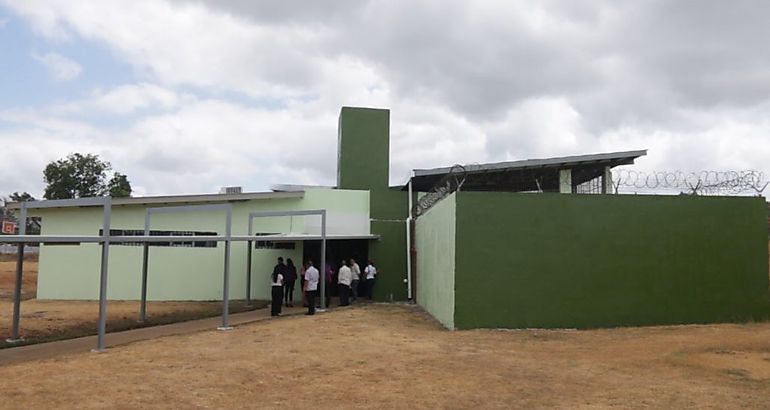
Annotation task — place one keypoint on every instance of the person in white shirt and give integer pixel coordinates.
(277, 292)
(356, 278)
(344, 278)
(371, 275)
(311, 287)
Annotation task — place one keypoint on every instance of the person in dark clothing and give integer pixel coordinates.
(277, 289)
(280, 267)
(288, 283)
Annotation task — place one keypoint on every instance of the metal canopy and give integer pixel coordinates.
(527, 175)
(106, 238)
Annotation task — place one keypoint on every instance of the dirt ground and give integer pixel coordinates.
(391, 356)
(43, 320)
(8, 278)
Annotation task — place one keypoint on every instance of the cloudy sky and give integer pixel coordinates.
(188, 96)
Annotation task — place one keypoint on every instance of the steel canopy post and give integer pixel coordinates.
(103, 275)
(19, 275)
(226, 285)
(145, 266)
(248, 265)
(323, 259)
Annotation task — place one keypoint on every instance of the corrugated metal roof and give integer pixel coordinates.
(536, 163)
(540, 175)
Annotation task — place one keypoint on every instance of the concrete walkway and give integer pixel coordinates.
(49, 350)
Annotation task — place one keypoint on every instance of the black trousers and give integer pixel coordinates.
(344, 292)
(277, 294)
(288, 291)
(310, 298)
(370, 288)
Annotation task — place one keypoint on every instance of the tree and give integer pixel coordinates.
(119, 186)
(79, 176)
(21, 197)
(33, 222)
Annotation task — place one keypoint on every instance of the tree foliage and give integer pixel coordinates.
(80, 176)
(33, 222)
(119, 186)
(21, 197)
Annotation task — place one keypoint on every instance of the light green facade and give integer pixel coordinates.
(435, 236)
(177, 273)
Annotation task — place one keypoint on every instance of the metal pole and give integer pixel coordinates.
(19, 276)
(103, 275)
(248, 274)
(248, 265)
(145, 267)
(143, 303)
(226, 285)
(323, 260)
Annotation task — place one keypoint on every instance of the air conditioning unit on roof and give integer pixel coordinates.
(231, 190)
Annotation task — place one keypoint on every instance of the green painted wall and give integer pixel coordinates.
(389, 255)
(435, 237)
(72, 272)
(363, 148)
(550, 260)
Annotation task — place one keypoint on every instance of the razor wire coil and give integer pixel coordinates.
(699, 183)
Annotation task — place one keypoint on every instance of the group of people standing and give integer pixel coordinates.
(349, 279)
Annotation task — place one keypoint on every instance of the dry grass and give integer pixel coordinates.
(8, 279)
(381, 356)
(45, 320)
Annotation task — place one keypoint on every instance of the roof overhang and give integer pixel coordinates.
(171, 199)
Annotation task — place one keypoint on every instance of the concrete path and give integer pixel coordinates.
(49, 350)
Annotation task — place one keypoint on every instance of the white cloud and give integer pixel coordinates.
(241, 92)
(125, 99)
(60, 68)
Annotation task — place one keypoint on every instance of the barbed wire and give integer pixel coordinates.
(450, 183)
(695, 183)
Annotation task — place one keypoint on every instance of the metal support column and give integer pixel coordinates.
(103, 275)
(226, 285)
(145, 266)
(248, 273)
(249, 245)
(19, 276)
(323, 260)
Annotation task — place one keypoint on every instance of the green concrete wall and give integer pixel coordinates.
(550, 260)
(435, 237)
(72, 272)
(389, 255)
(363, 148)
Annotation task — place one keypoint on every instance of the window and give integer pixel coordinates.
(272, 244)
(181, 244)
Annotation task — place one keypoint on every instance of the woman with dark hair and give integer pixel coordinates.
(288, 283)
(277, 291)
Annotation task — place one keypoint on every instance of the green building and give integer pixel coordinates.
(535, 243)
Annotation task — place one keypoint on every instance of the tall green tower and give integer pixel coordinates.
(363, 148)
(363, 162)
